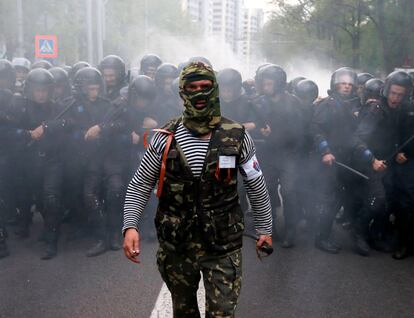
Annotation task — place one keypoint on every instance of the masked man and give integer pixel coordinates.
(195, 159)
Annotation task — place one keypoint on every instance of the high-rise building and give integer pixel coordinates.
(199, 12)
(229, 23)
(251, 25)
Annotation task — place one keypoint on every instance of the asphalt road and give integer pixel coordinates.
(298, 282)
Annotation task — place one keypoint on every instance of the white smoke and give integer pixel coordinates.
(177, 49)
(312, 69)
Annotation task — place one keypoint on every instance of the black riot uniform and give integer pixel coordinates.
(90, 159)
(112, 68)
(279, 114)
(307, 92)
(400, 200)
(333, 124)
(7, 125)
(376, 137)
(38, 154)
(165, 104)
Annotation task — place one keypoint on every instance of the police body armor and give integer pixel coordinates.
(207, 206)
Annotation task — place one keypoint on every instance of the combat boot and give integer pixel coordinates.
(115, 243)
(99, 248)
(326, 246)
(400, 253)
(4, 251)
(361, 245)
(51, 245)
(289, 238)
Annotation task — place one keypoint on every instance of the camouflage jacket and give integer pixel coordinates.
(208, 205)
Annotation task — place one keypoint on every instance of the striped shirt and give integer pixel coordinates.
(195, 151)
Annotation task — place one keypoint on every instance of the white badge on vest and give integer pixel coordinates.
(227, 162)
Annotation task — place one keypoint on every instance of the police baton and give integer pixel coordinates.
(360, 174)
(59, 116)
(399, 148)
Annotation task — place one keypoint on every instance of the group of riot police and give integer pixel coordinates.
(72, 138)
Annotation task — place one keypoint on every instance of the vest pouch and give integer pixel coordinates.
(223, 228)
(170, 224)
(170, 228)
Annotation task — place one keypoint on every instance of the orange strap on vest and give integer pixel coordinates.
(145, 139)
(164, 159)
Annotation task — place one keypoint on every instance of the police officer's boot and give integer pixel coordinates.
(51, 244)
(115, 240)
(100, 245)
(323, 241)
(98, 249)
(288, 238)
(403, 226)
(360, 234)
(4, 251)
(23, 224)
(400, 253)
(361, 245)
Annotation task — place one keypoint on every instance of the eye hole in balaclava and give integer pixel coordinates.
(198, 84)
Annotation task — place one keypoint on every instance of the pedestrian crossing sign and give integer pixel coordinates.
(46, 46)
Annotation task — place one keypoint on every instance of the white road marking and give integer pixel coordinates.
(163, 305)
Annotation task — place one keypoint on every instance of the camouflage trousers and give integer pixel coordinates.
(222, 276)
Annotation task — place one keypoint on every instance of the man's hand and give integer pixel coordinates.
(266, 131)
(264, 239)
(328, 159)
(37, 133)
(401, 158)
(132, 245)
(93, 133)
(135, 138)
(379, 165)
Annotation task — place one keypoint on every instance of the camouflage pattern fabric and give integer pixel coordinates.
(222, 277)
(209, 204)
(201, 121)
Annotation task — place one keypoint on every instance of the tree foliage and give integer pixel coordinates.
(374, 35)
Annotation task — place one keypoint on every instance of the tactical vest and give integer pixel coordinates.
(208, 205)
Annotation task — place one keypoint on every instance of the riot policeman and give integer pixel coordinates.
(334, 122)
(39, 138)
(280, 122)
